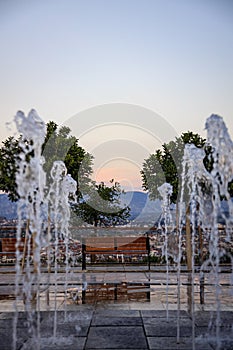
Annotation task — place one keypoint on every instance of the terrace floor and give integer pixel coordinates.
(130, 321)
(108, 327)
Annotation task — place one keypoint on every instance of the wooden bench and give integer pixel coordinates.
(8, 248)
(108, 246)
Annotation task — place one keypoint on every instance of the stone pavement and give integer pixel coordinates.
(131, 324)
(129, 275)
(107, 327)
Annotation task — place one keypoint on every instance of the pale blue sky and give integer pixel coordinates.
(174, 57)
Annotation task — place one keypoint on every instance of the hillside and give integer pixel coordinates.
(143, 210)
(8, 209)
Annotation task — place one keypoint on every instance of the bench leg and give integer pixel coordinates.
(84, 266)
(115, 291)
(148, 293)
(83, 296)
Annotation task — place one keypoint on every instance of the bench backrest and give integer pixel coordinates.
(118, 244)
(9, 245)
(132, 243)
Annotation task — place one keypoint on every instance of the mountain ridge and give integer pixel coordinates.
(142, 208)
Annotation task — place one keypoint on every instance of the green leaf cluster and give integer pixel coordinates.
(165, 165)
(60, 145)
(102, 206)
(9, 158)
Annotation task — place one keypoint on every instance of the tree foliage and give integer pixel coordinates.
(102, 205)
(9, 158)
(166, 164)
(96, 204)
(58, 145)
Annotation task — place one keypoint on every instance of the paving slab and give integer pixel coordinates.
(170, 343)
(225, 344)
(159, 327)
(116, 321)
(116, 338)
(20, 315)
(204, 318)
(163, 313)
(64, 330)
(6, 340)
(117, 313)
(69, 323)
(225, 333)
(63, 343)
(83, 317)
(113, 305)
(108, 328)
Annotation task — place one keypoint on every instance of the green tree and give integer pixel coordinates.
(58, 145)
(166, 164)
(9, 158)
(102, 206)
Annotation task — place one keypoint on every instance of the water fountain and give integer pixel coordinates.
(30, 181)
(221, 175)
(166, 191)
(62, 187)
(194, 174)
(200, 187)
(42, 207)
(40, 211)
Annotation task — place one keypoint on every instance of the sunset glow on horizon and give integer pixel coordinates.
(128, 175)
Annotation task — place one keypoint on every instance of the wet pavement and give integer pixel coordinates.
(126, 320)
(128, 284)
(109, 328)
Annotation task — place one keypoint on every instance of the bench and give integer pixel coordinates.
(8, 248)
(117, 246)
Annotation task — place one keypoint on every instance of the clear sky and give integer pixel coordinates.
(62, 57)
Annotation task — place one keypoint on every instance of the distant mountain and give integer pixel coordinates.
(135, 200)
(8, 209)
(143, 210)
